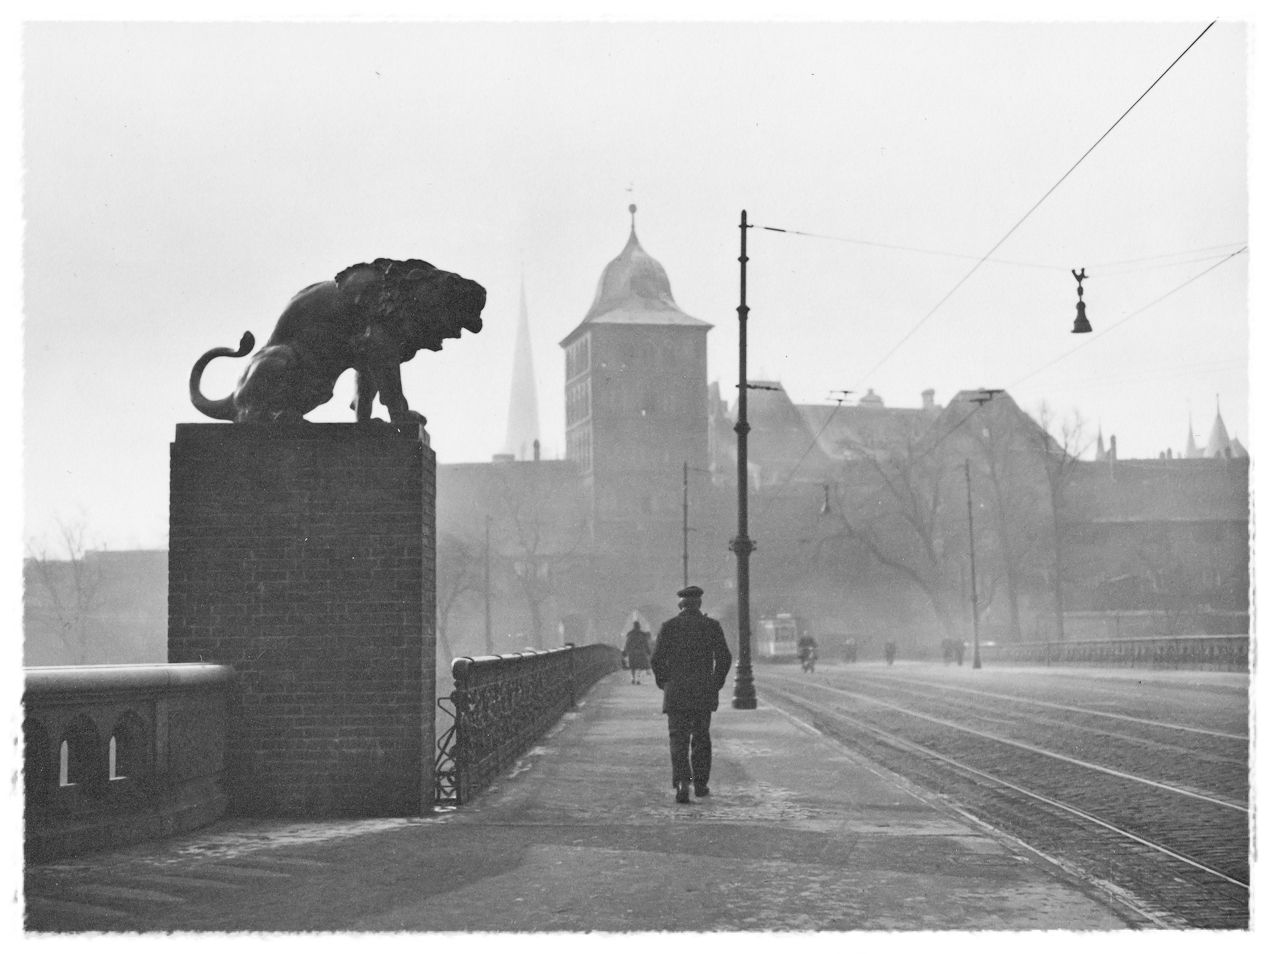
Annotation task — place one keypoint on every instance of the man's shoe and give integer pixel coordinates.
(701, 791)
(683, 793)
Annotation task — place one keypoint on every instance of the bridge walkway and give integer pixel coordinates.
(583, 835)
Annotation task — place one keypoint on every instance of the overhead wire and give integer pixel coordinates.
(763, 502)
(984, 258)
(987, 257)
(1145, 268)
(1149, 258)
(910, 248)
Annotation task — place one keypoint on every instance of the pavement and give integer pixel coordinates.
(582, 834)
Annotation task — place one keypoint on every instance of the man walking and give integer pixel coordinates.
(690, 663)
(636, 652)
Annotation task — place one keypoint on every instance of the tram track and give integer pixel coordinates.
(1202, 764)
(1180, 849)
(1039, 703)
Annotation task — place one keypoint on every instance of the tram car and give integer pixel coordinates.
(778, 635)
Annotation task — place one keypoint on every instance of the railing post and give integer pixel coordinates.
(460, 697)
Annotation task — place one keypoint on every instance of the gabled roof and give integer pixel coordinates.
(855, 430)
(634, 290)
(958, 415)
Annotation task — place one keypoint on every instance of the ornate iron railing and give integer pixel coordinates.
(1148, 652)
(502, 704)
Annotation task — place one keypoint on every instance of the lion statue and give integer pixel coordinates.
(371, 318)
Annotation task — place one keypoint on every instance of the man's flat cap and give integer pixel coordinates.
(691, 593)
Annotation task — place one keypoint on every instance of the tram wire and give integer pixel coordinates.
(986, 257)
(982, 260)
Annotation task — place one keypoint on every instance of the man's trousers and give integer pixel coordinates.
(689, 733)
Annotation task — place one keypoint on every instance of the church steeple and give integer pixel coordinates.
(1218, 442)
(523, 405)
(1191, 448)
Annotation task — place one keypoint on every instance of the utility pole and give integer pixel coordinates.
(490, 646)
(744, 684)
(972, 563)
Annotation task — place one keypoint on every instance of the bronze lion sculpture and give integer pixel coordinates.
(371, 318)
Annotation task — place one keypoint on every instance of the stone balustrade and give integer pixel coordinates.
(118, 754)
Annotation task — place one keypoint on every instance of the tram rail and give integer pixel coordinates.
(1179, 849)
(951, 687)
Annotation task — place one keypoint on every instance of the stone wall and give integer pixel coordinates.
(303, 557)
(118, 754)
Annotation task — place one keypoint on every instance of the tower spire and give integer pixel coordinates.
(523, 406)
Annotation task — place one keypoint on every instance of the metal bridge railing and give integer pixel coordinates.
(502, 704)
(1147, 652)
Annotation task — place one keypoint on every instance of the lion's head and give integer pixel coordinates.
(430, 304)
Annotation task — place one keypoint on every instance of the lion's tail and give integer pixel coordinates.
(222, 410)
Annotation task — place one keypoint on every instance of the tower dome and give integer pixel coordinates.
(634, 290)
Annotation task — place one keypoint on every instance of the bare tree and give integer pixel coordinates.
(541, 532)
(893, 505)
(459, 573)
(1005, 449)
(1061, 443)
(72, 587)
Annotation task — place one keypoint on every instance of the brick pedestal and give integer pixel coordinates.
(303, 556)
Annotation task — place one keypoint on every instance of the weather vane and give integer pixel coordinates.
(1081, 325)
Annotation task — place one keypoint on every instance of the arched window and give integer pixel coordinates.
(82, 755)
(130, 747)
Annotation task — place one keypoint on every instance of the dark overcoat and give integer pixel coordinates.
(691, 660)
(637, 649)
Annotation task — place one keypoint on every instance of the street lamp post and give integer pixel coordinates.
(744, 684)
(972, 564)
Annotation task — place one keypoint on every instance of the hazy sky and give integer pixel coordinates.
(183, 181)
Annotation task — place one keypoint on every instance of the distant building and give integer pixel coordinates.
(636, 395)
(573, 549)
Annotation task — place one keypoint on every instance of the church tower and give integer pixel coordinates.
(636, 396)
(522, 437)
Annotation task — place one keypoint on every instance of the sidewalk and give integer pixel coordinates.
(583, 834)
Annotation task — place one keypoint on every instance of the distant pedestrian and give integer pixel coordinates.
(890, 650)
(636, 652)
(690, 663)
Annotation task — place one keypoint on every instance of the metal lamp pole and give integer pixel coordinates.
(972, 560)
(744, 684)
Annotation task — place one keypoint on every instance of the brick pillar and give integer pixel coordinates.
(303, 556)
